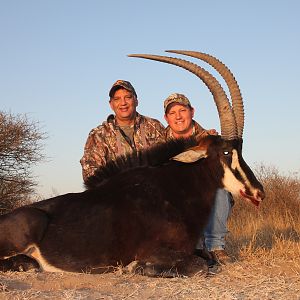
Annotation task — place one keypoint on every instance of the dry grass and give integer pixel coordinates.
(265, 243)
(274, 223)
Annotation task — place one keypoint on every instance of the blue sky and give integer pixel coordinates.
(59, 59)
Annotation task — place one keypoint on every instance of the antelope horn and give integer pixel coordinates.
(226, 116)
(234, 90)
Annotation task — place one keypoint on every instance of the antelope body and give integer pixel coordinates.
(149, 207)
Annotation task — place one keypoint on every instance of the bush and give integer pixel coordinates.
(20, 149)
(277, 218)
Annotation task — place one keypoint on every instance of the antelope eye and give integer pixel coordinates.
(225, 152)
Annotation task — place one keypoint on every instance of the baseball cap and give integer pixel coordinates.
(176, 98)
(121, 84)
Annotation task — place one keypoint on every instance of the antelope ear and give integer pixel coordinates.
(190, 156)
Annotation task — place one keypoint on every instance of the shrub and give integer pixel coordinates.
(20, 149)
(277, 218)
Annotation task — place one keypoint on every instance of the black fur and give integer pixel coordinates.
(142, 207)
(152, 157)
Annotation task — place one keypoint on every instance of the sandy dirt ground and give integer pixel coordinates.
(246, 279)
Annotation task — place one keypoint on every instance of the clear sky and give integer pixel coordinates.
(59, 58)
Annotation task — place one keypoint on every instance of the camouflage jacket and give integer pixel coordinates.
(108, 141)
(197, 130)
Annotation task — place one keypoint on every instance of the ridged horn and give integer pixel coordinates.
(226, 116)
(234, 89)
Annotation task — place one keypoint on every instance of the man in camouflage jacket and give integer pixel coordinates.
(122, 133)
(179, 115)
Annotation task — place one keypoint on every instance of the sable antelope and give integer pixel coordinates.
(149, 207)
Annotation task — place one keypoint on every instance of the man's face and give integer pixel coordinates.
(180, 119)
(124, 104)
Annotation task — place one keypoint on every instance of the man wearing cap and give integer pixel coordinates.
(122, 132)
(179, 115)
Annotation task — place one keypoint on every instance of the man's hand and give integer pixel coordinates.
(212, 132)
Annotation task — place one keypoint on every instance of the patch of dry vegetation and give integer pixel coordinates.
(273, 228)
(265, 243)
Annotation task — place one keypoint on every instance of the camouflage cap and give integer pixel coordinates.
(176, 98)
(121, 84)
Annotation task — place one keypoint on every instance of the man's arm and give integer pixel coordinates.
(160, 133)
(94, 156)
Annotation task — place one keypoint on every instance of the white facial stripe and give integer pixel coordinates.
(235, 160)
(231, 184)
(236, 166)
